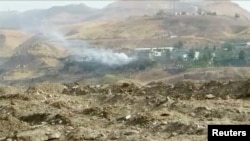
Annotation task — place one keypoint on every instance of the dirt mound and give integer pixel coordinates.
(123, 111)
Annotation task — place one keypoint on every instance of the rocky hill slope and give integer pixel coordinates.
(118, 10)
(127, 8)
(156, 31)
(33, 57)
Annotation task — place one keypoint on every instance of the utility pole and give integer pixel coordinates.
(173, 9)
(174, 6)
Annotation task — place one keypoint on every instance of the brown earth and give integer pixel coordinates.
(126, 8)
(123, 111)
(33, 58)
(13, 39)
(134, 32)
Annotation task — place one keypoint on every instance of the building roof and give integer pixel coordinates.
(143, 49)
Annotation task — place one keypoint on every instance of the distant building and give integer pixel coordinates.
(157, 53)
(196, 55)
(173, 36)
(144, 53)
(185, 57)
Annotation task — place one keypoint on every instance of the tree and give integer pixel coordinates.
(242, 55)
(168, 54)
(199, 11)
(214, 48)
(227, 46)
(212, 13)
(178, 45)
(210, 54)
(206, 48)
(205, 57)
(191, 54)
(160, 13)
(237, 15)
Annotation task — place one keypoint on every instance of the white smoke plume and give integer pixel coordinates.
(82, 51)
(85, 52)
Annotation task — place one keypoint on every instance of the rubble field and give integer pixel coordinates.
(122, 111)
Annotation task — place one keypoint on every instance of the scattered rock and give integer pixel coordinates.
(53, 135)
(8, 139)
(41, 134)
(85, 134)
(165, 114)
(210, 96)
(128, 117)
(131, 132)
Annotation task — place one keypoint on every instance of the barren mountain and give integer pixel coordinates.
(227, 8)
(55, 15)
(154, 31)
(32, 58)
(117, 10)
(124, 8)
(10, 39)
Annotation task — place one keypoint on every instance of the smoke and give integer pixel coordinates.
(81, 50)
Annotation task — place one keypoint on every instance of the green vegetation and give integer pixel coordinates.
(178, 45)
(227, 46)
(160, 13)
(191, 53)
(242, 55)
(227, 54)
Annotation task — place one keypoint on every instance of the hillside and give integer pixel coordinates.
(33, 58)
(228, 9)
(54, 15)
(69, 14)
(125, 8)
(13, 38)
(152, 31)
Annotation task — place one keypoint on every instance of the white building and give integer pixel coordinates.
(196, 55)
(185, 57)
(153, 53)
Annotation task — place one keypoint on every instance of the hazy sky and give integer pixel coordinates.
(22, 5)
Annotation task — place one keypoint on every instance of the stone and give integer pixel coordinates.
(131, 132)
(40, 134)
(128, 117)
(210, 96)
(53, 135)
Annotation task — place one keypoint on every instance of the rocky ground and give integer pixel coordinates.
(122, 112)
